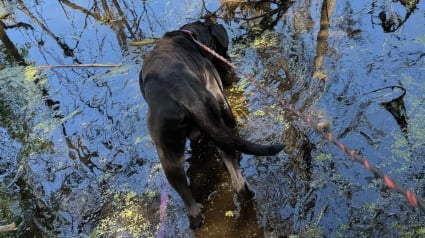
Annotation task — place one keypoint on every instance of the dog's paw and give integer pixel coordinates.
(196, 218)
(246, 194)
(196, 222)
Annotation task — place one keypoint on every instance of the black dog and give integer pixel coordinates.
(182, 84)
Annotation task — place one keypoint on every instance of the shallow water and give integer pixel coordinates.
(77, 161)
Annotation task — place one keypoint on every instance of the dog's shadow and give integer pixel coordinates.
(210, 183)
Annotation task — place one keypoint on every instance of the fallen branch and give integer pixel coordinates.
(10, 227)
(77, 66)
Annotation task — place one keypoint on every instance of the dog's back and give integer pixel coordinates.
(177, 73)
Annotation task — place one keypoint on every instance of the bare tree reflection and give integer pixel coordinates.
(124, 18)
(391, 19)
(9, 46)
(68, 52)
(112, 15)
(288, 50)
(257, 16)
(12, 55)
(322, 39)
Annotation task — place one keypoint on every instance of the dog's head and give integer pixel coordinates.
(210, 34)
(215, 37)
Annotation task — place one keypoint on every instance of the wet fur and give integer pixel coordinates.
(182, 85)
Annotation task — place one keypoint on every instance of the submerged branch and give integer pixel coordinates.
(77, 66)
(10, 227)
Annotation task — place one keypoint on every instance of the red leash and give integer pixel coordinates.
(322, 128)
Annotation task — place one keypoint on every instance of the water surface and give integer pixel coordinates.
(77, 161)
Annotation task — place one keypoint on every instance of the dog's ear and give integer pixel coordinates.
(220, 35)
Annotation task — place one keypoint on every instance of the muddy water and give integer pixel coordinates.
(77, 161)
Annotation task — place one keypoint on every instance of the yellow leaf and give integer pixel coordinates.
(229, 214)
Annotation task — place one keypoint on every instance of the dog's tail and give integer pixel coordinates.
(226, 139)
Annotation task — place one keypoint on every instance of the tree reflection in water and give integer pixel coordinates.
(79, 160)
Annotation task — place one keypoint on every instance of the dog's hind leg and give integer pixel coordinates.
(177, 178)
(171, 155)
(173, 166)
(231, 160)
(168, 133)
